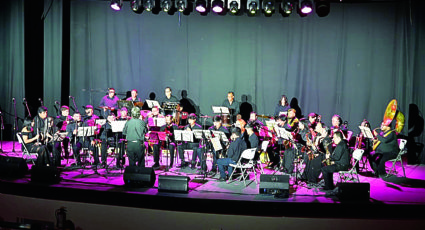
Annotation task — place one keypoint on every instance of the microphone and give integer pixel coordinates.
(39, 99)
(57, 102)
(13, 100)
(25, 100)
(71, 96)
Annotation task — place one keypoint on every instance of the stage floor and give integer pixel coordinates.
(208, 195)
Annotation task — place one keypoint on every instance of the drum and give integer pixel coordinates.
(225, 120)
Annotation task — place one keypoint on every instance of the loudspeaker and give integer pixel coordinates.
(13, 167)
(353, 191)
(173, 183)
(139, 176)
(277, 185)
(45, 174)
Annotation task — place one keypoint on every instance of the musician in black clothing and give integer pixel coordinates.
(387, 148)
(190, 145)
(233, 154)
(170, 144)
(60, 122)
(90, 118)
(217, 127)
(106, 138)
(339, 160)
(232, 104)
(119, 137)
(252, 137)
(32, 142)
(135, 130)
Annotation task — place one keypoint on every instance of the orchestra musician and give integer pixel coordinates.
(106, 138)
(109, 102)
(120, 138)
(217, 126)
(133, 96)
(135, 130)
(168, 128)
(338, 126)
(61, 122)
(253, 141)
(79, 142)
(282, 107)
(339, 160)
(32, 142)
(255, 123)
(236, 147)
(169, 98)
(190, 145)
(151, 119)
(233, 106)
(89, 117)
(387, 148)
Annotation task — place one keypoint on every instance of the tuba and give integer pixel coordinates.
(390, 114)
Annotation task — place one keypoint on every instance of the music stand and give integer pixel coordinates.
(366, 132)
(117, 127)
(284, 134)
(183, 135)
(159, 136)
(156, 122)
(86, 131)
(152, 103)
(100, 122)
(125, 103)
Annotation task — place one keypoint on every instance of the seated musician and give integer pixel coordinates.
(79, 142)
(233, 106)
(338, 126)
(61, 122)
(107, 139)
(168, 128)
(313, 117)
(292, 149)
(109, 102)
(275, 146)
(236, 147)
(151, 121)
(190, 145)
(123, 114)
(282, 107)
(252, 136)
(120, 139)
(387, 148)
(217, 127)
(339, 160)
(89, 117)
(134, 97)
(32, 141)
(254, 122)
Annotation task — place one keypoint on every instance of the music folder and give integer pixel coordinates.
(220, 109)
(283, 133)
(221, 135)
(100, 122)
(152, 103)
(366, 131)
(183, 135)
(86, 131)
(159, 136)
(118, 126)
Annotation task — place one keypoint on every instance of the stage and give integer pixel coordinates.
(394, 197)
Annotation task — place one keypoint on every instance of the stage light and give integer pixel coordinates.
(305, 7)
(217, 6)
(253, 7)
(322, 8)
(136, 6)
(184, 6)
(268, 7)
(286, 8)
(234, 6)
(166, 6)
(201, 6)
(116, 4)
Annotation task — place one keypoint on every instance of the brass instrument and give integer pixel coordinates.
(390, 113)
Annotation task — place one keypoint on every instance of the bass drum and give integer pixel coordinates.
(225, 120)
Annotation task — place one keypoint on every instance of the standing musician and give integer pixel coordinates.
(387, 148)
(134, 97)
(168, 98)
(135, 130)
(281, 107)
(236, 147)
(190, 145)
(152, 125)
(217, 126)
(32, 141)
(168, 128)
(339, 160)
(79, 142)
(233, 106)
(109, 102)
(61, 122)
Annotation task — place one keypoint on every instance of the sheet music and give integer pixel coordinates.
(271, 124)
(216, 143)
(152, 103)
(155, 135)
(197, 133)
(86, 131)
(282, 133)
(366, 131)
(156, 121)
(284, 113)
(118, 126)
(100, 122)
(221, 135)
(207, 134)
(183, 135)
(264, 145)
(220, 109)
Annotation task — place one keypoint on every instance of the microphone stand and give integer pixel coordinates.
(1, 132)
(15, 125)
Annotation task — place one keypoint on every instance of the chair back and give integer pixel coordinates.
(20, 141)
(357, 154)
(402, 143)
(264, 145)
(248, 154)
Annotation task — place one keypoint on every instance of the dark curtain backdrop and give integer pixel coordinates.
(351, 63)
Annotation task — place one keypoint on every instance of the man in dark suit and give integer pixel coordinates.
(233, 154)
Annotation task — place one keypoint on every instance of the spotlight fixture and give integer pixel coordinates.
(234, 6)
(168, 7)
(268, 7)
(305, 7)
(116, 5)
(253, 7)
(201, 6)
(184, 6)
(136, 6)
(152, 6)
(322, 8)
(217, 6)
(286, 8)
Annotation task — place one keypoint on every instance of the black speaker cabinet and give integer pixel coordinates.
(139, 176)
(353, 191)
(173, 183)
(274, 184)
(13, 167)
(45, 174)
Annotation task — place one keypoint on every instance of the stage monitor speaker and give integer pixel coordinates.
(45, 174)
(14, 167)
(173, 183)
(353, 191)
(277, 185)
(136, 176)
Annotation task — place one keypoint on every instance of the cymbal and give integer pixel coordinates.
(264, 116)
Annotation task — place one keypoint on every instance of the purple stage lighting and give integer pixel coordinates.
(217, 6)
(200, 9)
(116, 5)
(306, 7)
(201, 6)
